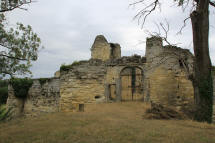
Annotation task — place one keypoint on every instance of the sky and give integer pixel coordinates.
(68, 28)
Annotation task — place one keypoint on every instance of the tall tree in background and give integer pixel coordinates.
(18, 45)
(202, 78)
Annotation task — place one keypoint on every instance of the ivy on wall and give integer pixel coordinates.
(213, 70)
(3, 91)
(21, 86)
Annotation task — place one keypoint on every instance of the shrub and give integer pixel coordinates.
(68, 67)
(21, 86)
(43, 80)
(65, 67)
(3, 95)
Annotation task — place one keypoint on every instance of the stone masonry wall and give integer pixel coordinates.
(170, 89)
(82, 84)
(166, 75)
(40, 99)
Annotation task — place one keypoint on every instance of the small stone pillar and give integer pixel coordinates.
(118, 90)
(107, 92)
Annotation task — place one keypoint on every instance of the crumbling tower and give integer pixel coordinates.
(103, 50)
(154, 47)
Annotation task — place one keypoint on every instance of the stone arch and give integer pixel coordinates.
(131, 83)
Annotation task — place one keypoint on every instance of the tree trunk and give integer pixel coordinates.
(203, 88)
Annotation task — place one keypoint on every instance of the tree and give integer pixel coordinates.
(202, 78)
(18, 46)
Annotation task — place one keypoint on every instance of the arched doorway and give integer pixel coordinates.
(131, 84)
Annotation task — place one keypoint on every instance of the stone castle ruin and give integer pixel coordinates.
(161, 76)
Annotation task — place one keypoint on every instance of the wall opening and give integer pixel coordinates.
(131, 84)
(97, 97)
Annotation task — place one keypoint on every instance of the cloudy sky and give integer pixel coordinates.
(68, 28)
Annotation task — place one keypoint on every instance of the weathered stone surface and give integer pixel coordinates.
(170, 89)
(40, 99)
(14, 103)
(43, 98)
(103, 50)
(57, 74)
(167, 73)
(82, 84)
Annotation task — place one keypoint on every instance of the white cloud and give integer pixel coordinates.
(68, 28)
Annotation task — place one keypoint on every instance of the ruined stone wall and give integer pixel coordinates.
(83, 83)
(169, 88)
(115, 51)
(40, 99)
(154, 46)
(166, 75)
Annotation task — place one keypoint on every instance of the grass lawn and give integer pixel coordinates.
(105, 123)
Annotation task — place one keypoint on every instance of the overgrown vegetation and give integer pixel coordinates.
(3, 91)
(68, 67)
(213, 70)
(43, 81)
(21, 86)
(4, 113)
(206, 96)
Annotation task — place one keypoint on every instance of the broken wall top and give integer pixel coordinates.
(103, 50)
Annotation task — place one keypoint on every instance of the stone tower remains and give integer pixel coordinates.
(103, 50)
(154, 47)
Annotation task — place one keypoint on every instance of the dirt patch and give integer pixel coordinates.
(158, 111)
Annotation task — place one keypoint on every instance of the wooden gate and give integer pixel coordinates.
(131, 84)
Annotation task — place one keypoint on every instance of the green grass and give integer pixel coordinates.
(105, 123)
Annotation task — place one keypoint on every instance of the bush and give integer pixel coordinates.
(68, 67)
(3, 91)
(21, 86)
(4, 113)
(3, 95)
(43, 80)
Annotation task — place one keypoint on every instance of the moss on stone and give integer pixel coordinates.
(205, 107)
